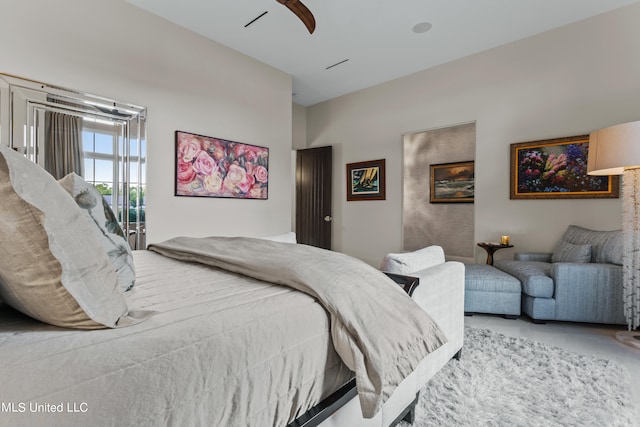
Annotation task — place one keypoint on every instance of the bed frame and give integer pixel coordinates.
(323, 410)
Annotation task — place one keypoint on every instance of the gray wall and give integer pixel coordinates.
(564, 82)
(450, 225)
(187, 82)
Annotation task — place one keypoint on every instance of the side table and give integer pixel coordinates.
(408, 283)
(491, 248)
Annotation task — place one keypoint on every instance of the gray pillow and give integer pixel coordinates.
(568, 252)
(52, 268)
(606, 246)
(106, 228)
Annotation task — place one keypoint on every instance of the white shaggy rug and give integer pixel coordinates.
(504, 381)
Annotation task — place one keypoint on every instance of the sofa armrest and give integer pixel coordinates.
(533, 256)
(441, 295)
(408, 262)
(591, 291)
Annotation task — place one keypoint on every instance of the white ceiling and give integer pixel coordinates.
(375, 36)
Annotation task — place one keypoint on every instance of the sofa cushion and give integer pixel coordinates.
(535, 276)
(486, 278)
(533, 256)
(606, 246)
(409, 262)
(569, 252)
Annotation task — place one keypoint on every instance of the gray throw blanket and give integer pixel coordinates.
(378, 331)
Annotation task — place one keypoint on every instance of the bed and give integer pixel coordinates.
(214, 332)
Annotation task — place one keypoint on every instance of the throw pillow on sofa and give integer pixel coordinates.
(568, 252)
(606, 246)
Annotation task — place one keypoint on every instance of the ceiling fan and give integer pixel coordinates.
(301, 12)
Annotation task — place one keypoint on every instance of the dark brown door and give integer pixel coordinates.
(313, 196)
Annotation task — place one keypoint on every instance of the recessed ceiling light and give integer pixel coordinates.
(422, 27)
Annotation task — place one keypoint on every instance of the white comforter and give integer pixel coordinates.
(222, 350)
(379, 332)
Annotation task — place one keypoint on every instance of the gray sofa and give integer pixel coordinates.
(581, 281)
(489, 290)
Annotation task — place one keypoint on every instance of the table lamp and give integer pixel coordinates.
(616, 151)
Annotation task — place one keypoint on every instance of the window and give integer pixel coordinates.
(104, 167)
(113, 146)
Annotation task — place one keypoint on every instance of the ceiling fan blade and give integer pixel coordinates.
(301, 12)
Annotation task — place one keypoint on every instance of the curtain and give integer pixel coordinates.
(63, 144)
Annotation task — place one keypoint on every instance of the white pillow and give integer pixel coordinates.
(52, 268)
(106, 228)
(289, 237)
(410, 262)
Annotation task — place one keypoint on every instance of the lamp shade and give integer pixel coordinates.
(614, 149)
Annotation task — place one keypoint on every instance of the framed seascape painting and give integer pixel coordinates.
(557, 169)
(214, 167)
(366, 180)
(452, 182)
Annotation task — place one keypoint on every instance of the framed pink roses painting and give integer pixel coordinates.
(214, 167)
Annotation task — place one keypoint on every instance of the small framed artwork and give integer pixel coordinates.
(452, 182)
(557, 169)
(366, 180)
(214, 167)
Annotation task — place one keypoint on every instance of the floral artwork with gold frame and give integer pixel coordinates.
(557, 169)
